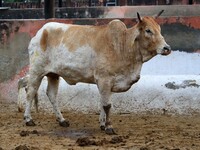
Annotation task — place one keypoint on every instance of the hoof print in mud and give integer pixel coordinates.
(85, 141)
(64, 124)
(24, 133)
(30, 123)
(117, 139)
(22, 147)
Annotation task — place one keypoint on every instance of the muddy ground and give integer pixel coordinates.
(134, 131)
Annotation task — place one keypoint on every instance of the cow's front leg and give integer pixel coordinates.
(104, 118)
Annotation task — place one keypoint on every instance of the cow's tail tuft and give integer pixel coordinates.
(36, 102)
(22, 83)
(43, 40)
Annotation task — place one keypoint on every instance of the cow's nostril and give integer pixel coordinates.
(167, 48)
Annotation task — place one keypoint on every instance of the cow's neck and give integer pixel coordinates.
(135, 45)
(146, 55)
(132, 46)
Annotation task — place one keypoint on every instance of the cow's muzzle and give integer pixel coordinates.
(166, 50)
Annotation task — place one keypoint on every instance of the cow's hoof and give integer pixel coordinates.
(64, 123)
(30, 123)
(102, 128)
(20, 109)
(110, 131)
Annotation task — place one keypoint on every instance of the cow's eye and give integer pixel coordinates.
(148, 31)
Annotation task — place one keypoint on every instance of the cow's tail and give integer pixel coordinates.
(36, 102)
(22, 83)
(19, 100)
(43, 40)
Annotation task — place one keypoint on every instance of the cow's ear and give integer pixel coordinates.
(158, 15)
(139, 18)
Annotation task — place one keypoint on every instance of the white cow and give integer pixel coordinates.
(110, 56)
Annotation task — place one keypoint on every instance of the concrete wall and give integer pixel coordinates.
(168, 83)
(103, 12)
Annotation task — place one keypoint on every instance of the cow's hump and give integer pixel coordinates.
(117, 32)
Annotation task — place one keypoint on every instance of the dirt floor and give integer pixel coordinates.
(134, 132)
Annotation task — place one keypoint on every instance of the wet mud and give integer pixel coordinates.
(134, 131)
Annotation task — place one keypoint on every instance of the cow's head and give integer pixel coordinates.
(150, 38)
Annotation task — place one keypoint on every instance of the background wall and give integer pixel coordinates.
(168, 83)
(103, 12)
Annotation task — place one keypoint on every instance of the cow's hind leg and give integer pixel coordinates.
(32, 88)
(52, 90)
(104, 118)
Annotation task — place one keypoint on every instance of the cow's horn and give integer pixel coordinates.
(159, 13)
(139, 18)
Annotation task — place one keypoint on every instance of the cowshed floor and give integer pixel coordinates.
(134, 131)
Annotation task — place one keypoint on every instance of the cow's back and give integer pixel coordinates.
(67, 50)
(36, 40)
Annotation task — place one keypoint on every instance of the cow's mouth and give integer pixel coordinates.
(166, 50)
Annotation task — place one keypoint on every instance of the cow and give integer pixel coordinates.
(110, 56)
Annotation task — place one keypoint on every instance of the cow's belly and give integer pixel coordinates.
(74, 75)
(74, 66)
